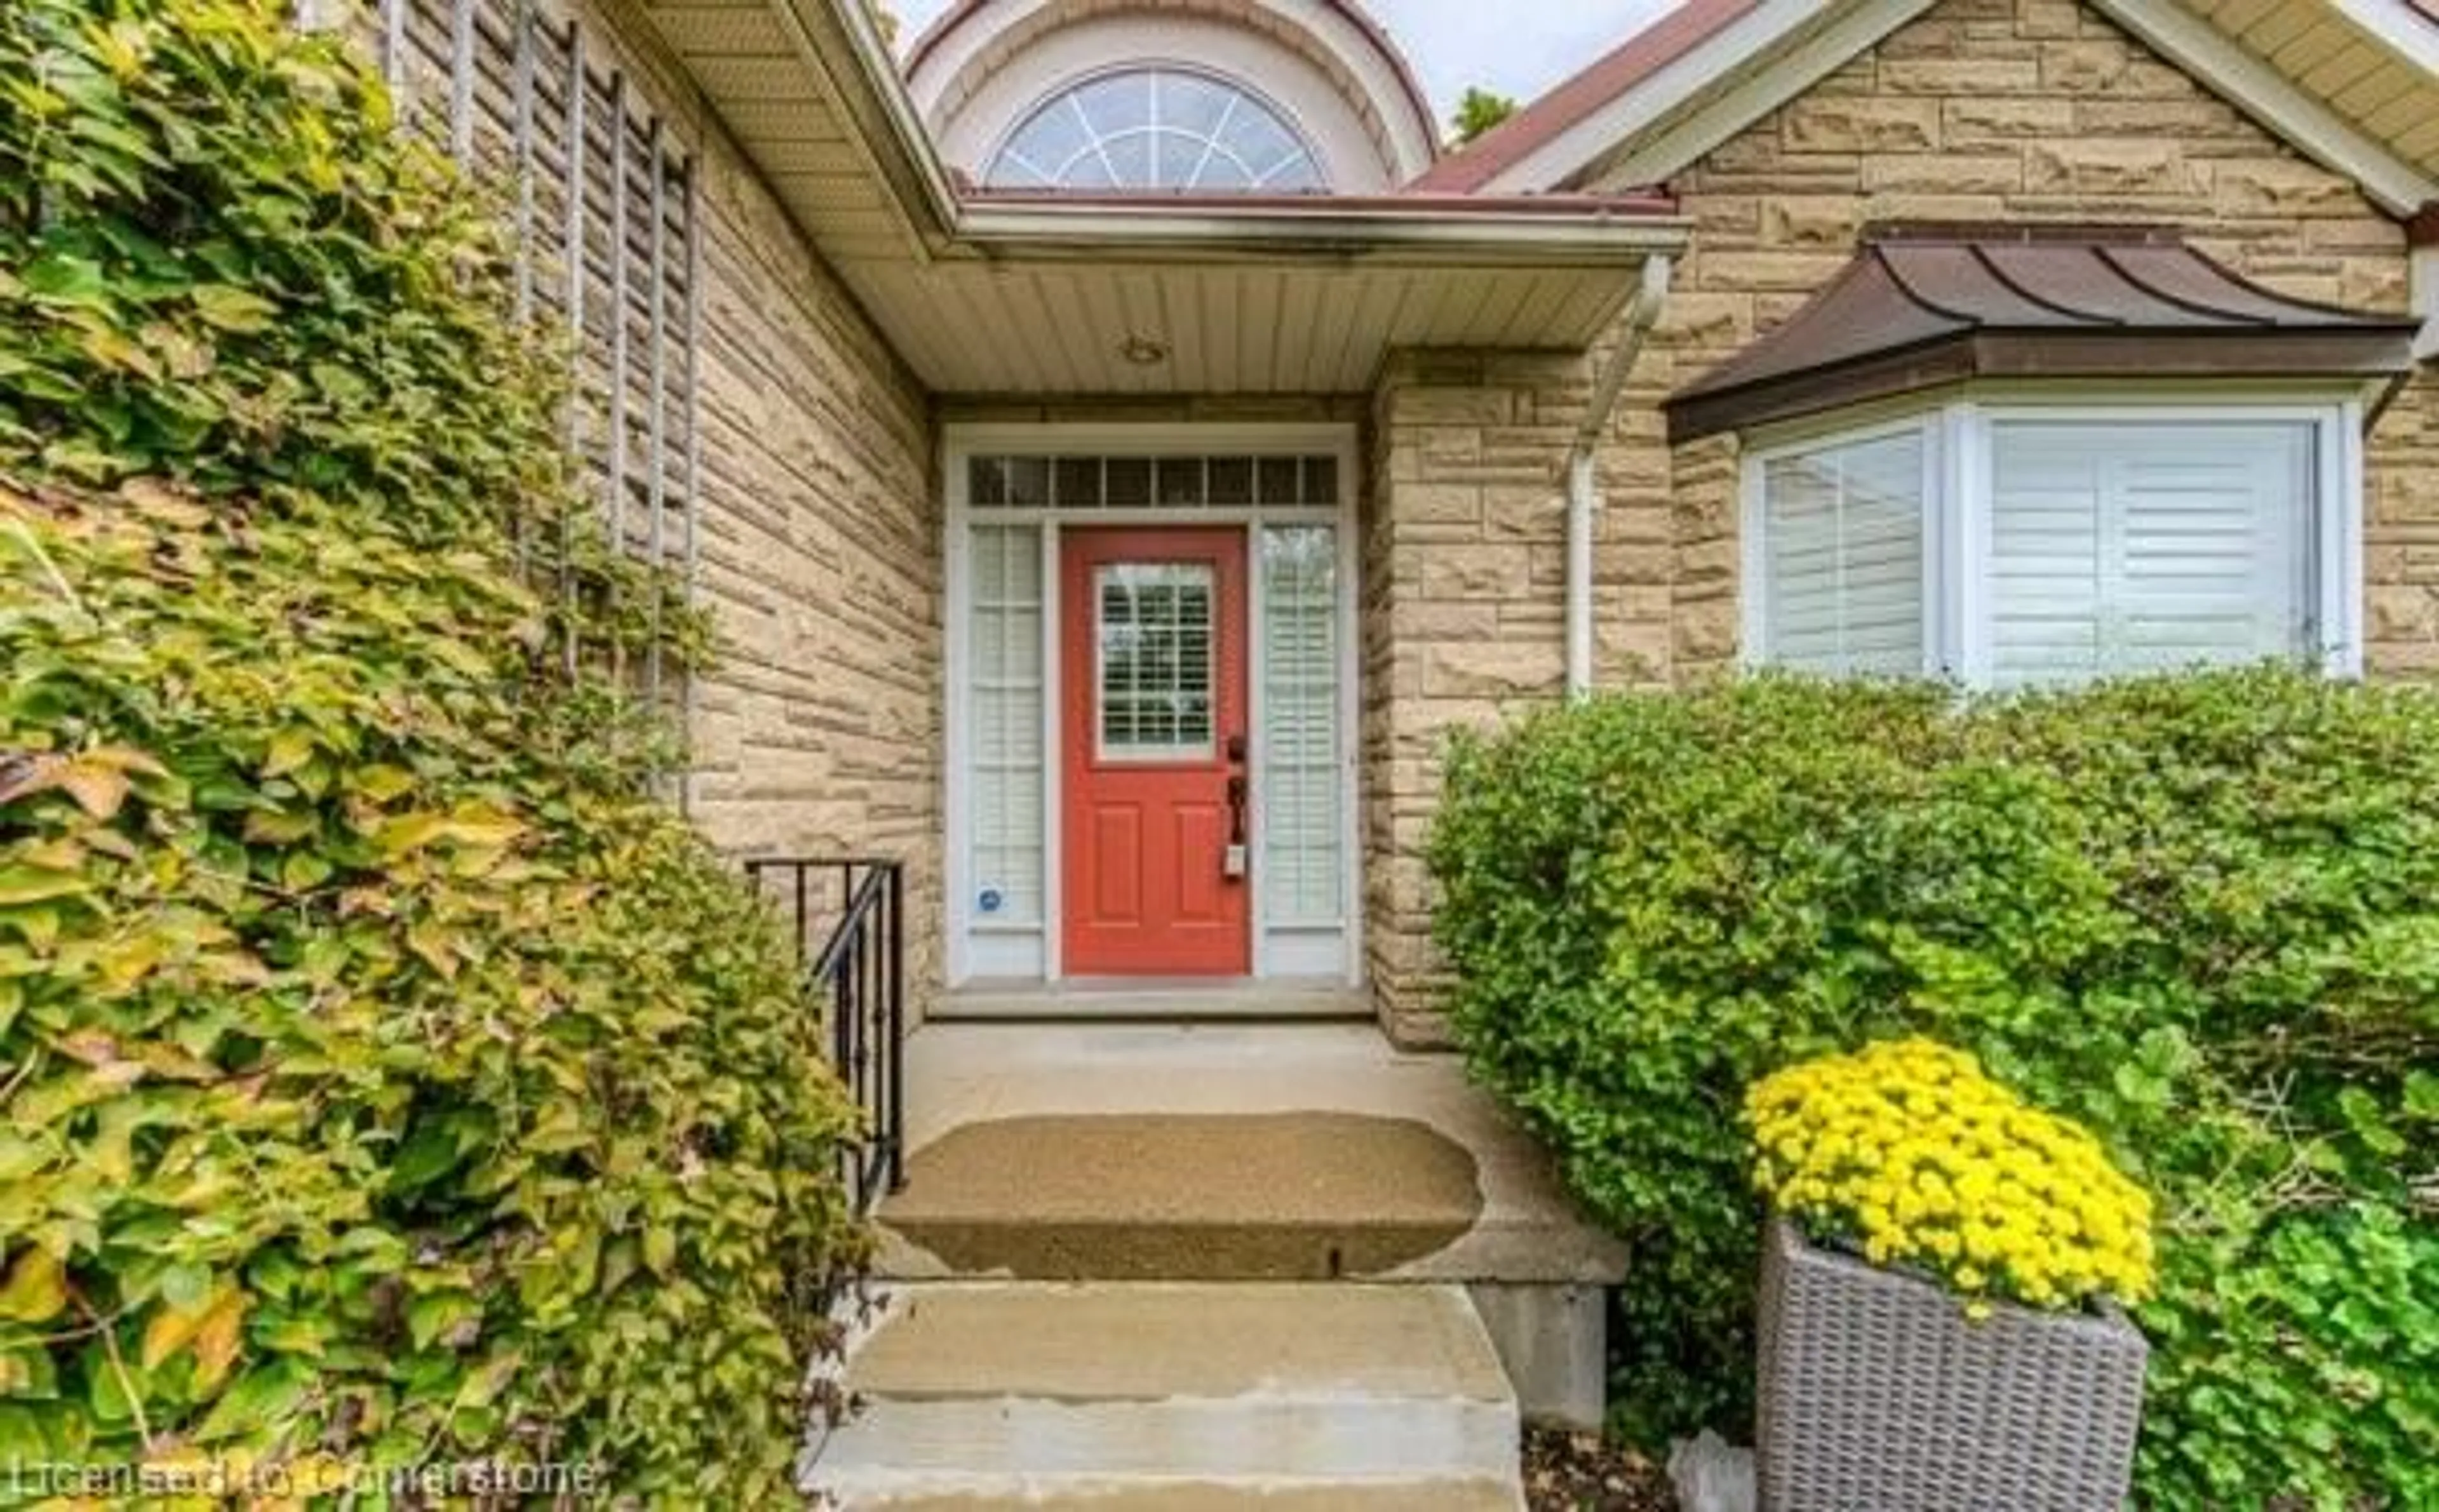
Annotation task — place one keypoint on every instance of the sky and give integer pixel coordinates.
(1455, 44)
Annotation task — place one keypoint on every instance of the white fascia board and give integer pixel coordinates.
(2269, 97)
(2425, 276)
(1725, 53)
(2394, 26)
(1383, 235)
(1678, 145)
(845, 30)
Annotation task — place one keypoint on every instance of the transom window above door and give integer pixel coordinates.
(1152, 482)
(1157, 129)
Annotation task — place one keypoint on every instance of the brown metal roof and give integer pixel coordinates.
(1924, 306)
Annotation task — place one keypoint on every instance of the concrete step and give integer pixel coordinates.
(1190, 1395)
(1308, 1152)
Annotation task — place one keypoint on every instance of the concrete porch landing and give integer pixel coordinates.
(1219, 1153)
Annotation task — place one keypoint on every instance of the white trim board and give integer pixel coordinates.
(1689, 126)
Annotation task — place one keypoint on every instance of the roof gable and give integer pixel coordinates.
(2363, 100)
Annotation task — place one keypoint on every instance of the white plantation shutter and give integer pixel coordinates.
(2132, 546)
(1303, 858)
(1842, 557)
(1006, 750)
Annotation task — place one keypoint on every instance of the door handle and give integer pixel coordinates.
(1234, 866)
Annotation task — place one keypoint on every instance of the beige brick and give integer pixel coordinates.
(2109, 167)
(1973, 208)
(1426, 621)
(1476, 571)
(2402, 612)
(1786, 271)
(2048, 18)
(1435, 503)
(1873, 124)
(1492, 671)
(1527, 510)
(2189, 118)
(1454, 406)
(1811, 221)
(1947, 173)
(1707, 632)
(1978, 123)
(2086, 66)
(2250, 186)
(1960, 75)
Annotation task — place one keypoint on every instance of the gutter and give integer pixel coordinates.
(1583, 492)
(1564, 230)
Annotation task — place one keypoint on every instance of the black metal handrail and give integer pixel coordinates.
(853, 944)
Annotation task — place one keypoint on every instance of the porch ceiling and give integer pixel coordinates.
(1028, 326)
(1007, 296)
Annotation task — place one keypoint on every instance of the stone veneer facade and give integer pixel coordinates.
(819, 733)
(1981, 111)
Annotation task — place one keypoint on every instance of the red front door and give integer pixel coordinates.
(1153, 662)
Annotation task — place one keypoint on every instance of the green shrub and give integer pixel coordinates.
(2199, 914)
(387, 1080)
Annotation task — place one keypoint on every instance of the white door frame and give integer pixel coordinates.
(959, 444)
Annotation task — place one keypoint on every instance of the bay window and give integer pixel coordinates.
(2000, 545)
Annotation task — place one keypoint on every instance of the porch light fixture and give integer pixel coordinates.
(1143, 351)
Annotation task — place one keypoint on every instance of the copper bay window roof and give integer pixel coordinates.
(1921, 306)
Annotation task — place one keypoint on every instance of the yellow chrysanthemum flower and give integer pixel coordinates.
(1907, 1149)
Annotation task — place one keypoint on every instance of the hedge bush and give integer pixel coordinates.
(2199, 914)
(388, 1081)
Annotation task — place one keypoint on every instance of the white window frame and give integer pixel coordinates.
(1956, 431)
(1275, 956)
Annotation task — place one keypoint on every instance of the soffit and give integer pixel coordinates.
(1051, 328)
(784, 77)
(1244, 295)
(2371, 60)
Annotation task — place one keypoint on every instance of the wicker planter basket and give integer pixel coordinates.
(1877, 1394)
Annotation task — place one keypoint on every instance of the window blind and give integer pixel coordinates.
(1842, 557)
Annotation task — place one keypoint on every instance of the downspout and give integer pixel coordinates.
(2422, 249)
(1583, 494)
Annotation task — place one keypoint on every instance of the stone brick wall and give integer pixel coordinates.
(2031, 110)
(1981, 110)
(1463, 598)
(819, 733)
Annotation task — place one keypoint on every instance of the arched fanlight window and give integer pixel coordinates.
(1156, 128)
